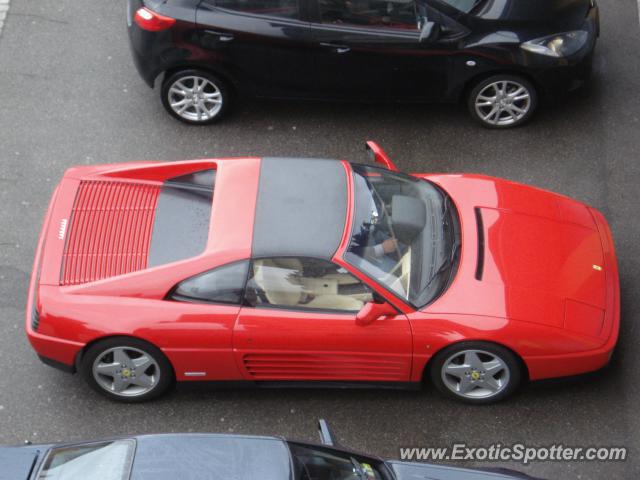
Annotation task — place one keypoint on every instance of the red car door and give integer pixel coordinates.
(300, 324)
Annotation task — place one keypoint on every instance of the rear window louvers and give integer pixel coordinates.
(110, 230)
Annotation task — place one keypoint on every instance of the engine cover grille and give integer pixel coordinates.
(110, 230)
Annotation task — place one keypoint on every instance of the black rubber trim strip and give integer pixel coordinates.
(284, 384)
(480, 261)
(56, 364)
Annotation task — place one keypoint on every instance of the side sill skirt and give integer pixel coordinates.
(188, 385)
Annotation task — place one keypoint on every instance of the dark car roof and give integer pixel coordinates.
(17, 462)
(301, 207)
(210, 457)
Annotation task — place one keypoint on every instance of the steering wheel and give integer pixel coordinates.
(379, 202)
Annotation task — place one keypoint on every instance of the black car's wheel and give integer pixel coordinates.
(476, 372)
(195, 96)
(126, 369)
(502, 101)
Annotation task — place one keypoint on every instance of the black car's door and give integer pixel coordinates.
(262, 43)
(372, 49)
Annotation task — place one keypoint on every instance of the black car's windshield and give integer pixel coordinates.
(95, 461)
(405, 234)
(311, 463)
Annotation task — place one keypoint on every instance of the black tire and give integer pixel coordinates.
(530, 103)
(162, 370)
(190, 114)
(509, 359)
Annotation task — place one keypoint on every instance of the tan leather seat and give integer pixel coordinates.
(273, 276)
(335, 302)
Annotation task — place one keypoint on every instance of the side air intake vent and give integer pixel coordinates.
(35, 318)
(110, 230)
(322, 367)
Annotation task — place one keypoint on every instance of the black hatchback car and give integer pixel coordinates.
(499, 56)
(219, 457)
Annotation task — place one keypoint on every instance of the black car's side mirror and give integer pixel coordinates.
(373, 311)
(326, 437)
(429, 30)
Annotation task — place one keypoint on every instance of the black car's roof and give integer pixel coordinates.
(214, 457)
(301, 207)
(17, 462)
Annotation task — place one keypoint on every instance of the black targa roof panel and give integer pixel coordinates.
(302, 207)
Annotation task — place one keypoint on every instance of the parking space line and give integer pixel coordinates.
(4, 9)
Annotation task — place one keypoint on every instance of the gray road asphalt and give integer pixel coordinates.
(69, 95)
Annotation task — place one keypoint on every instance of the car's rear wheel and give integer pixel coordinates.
(195, 96)
(476, 372)
(502, 101)
(126, 369)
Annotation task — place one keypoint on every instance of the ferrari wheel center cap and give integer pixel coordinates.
(475, 375)
(126, 372)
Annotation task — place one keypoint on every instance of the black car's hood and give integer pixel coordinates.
(16, 463)
(562, 14)
(210, 457)
(426, 471)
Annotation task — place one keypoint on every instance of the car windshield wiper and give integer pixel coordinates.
(446, 263)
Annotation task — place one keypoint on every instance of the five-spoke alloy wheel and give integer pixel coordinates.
(126, 369)
(195, 96)
(476, 372)
(502, 101)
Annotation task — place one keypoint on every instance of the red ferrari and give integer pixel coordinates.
(281, 271)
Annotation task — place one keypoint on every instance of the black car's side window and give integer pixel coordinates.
(400, 14)
(272, 8)
(221, 285)
(304, 283)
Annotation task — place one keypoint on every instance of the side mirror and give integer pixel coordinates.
(326, 438)
(427, 30)
(373, 311)
(378, 155)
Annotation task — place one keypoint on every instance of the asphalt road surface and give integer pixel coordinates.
(69, 94)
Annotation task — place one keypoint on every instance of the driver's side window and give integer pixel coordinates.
(307, 283)
(399, 14)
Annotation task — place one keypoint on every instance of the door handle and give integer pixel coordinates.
(222, 36)
(336, 48)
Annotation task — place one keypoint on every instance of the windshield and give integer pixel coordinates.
(314, 463)
(405, 235)
(96, 461)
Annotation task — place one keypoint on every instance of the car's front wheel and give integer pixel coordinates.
(502, 101)
(195, 97)
(476, 372)
(126, 369)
